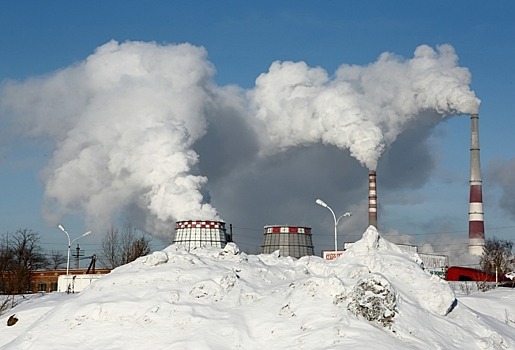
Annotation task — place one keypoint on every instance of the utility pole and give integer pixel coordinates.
(79, 253)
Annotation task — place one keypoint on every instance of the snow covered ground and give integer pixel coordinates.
(374, 297)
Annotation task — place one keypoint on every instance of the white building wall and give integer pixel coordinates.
(75, 283)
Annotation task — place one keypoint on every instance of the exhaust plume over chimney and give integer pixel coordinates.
(476, 215)
(362, 109)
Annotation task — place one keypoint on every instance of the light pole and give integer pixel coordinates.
(61, 227)
(324, 204)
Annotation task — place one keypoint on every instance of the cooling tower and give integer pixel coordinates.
(476, 216)
(372, 199)
(291, 241)
(198, 233)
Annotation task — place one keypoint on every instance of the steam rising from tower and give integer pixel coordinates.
(126, 122)
(476, 220)
(372, 199)
(124, 134)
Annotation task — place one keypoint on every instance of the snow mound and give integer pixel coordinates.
(374, 296)
(374, 254)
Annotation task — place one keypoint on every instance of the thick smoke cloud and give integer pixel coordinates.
(123, 122)
(138, 128)
(362, 109)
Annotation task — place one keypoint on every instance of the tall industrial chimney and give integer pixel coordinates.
(476, 216)
(372, 199)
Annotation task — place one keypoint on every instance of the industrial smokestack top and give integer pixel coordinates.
(372, 199)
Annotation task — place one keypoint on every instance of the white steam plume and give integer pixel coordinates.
(124, 121)
(362, 109)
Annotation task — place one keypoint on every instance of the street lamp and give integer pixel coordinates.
(61, 227)
(336, 221)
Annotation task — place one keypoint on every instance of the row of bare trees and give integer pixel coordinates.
(122, 247)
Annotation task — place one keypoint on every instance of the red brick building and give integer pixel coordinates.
(46, 280)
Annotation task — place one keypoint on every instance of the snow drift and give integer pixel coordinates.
(225, 299)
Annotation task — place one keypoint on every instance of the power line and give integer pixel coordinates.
(457, 231)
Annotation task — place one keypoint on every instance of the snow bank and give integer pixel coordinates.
(375, 296)
(403, 270)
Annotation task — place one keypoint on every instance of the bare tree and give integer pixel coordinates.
(110, 248)
(56, 259)
(5, 259)
(497, 256)
(133, 246)
(23, 255)
(121, 248)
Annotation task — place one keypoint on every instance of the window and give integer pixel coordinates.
(41, 287)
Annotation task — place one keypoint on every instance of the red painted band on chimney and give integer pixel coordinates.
(476, 229)
(476, 195)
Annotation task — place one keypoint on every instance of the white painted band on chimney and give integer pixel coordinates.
(476, 217)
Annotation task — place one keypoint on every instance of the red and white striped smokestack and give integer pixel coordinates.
(476, 215)
(372, 199)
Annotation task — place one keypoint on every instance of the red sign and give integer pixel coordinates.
(331, 254)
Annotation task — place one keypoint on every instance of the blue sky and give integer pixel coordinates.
(242, 40)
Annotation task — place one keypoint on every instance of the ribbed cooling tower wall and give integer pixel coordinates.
(200, 233)
(291, 241)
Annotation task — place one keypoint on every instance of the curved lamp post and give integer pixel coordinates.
(61, 227)
(324, 204)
